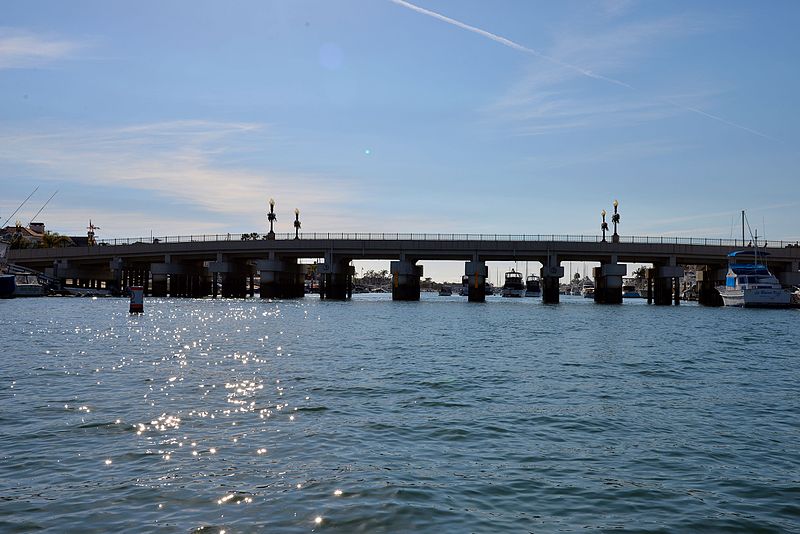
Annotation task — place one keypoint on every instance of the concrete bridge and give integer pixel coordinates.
(195, 266)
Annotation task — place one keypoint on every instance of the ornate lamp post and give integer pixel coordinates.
(272, 218)
(615, 220)
(604, 226)
(90, 241)
(297, 223)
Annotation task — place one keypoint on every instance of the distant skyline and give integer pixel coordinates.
(427, 116)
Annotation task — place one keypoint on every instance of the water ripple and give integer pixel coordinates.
(374, 416)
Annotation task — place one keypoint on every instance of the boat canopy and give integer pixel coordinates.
(749, 269)
(749, 252)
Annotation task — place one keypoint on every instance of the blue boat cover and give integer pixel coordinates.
(748, 252)
(749, 268)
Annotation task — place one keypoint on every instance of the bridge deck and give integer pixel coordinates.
(631, 249)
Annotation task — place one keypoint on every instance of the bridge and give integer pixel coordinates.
(228, 264)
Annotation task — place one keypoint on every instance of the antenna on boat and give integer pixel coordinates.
(743, 228)
(20, 206)
(42, 208)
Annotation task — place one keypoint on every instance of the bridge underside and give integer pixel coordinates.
(239, 268)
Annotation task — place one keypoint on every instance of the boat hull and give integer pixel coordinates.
(513, 293)
(756, 298)
(533, 293)
(29, 290)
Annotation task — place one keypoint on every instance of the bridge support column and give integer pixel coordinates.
(707, 282)
(115, 284)
(608, 283)
(234, 285)
(233, 276)
(551, 273)
(159, 284)
(281, 279)
(790, 276)
(405, 279)
(666, 284)
(90, 276)
(476, 271)
(178, 279)
(336, 278)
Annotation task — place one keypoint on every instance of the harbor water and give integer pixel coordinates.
(381, 416)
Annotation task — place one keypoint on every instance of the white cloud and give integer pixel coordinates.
(21, 49)
(193, 163)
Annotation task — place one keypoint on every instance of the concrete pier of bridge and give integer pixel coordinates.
(179, 279)
(790, 276)
(92, 276)
(550, 274)
(405, 279)
(663, 283)
(608, 282)
(281, 278)
(336, 278)
(233, 275)
(477, 272)
(707, 281)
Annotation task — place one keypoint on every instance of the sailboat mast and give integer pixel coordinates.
(20, 206)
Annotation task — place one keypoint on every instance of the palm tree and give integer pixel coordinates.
(55, 240)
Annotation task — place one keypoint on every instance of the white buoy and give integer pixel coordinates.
(137, 299)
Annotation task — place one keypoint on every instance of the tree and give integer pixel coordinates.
(55, 240)
(18, 241)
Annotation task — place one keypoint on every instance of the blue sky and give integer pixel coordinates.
(372, 115)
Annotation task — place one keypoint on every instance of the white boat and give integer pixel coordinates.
(513, 286)
(587, 289)
(464, 291)
(533, 286)
(28, 285)
(629, 290)
(751, 285)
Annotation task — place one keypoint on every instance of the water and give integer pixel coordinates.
(381, 416)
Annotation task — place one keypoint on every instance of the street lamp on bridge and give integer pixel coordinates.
(271, 217)
(297, 223)
(604, 226)
(615, 220)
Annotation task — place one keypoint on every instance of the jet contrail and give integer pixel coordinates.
(521, 48)
(507, 42)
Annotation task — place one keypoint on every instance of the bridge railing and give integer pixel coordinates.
(351, 236)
